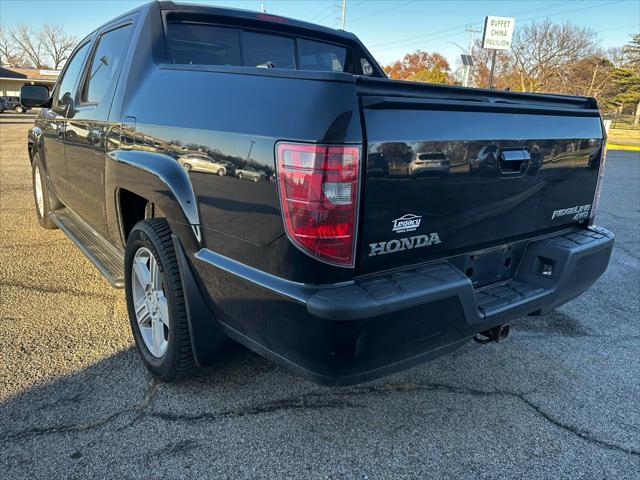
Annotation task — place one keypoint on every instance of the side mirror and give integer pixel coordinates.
(34, 96)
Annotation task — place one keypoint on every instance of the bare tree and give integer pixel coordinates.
(30, 45)
(482, 67)
(9, 54)
(56, 43)
(591, 76)
(541, 51)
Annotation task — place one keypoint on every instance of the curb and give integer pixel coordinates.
(617, 146)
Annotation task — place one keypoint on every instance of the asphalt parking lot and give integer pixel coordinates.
(558, 399)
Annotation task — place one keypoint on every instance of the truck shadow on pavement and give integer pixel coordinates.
(246, 401)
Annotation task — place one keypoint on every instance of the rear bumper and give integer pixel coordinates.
(371, 327)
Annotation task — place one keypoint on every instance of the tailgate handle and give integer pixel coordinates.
(514, 161)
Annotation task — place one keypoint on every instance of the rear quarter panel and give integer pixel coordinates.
(237, 118)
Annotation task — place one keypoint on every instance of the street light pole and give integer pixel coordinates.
(467, 70)
(465, 78)
(344, 13)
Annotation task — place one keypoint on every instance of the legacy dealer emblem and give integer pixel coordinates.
(406, 223)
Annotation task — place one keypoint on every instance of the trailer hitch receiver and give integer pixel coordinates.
(495, 334)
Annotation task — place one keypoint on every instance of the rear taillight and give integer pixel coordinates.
(318, 186)
(596, 196)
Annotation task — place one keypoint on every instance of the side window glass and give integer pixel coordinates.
(106, 62)
(367, 69)
(268, 51)
(64, 94)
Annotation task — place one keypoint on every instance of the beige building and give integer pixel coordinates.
(12, 79)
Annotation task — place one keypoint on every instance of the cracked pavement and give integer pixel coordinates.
(557, 399)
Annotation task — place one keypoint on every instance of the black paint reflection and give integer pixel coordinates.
(463, 191)
(232, 177)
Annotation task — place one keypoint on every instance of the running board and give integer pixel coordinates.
(107, 258)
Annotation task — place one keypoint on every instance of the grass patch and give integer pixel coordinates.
(624, 137)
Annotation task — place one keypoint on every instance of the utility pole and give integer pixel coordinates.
(344, 14)
(250, 148)
(493, 66)
(467, 68)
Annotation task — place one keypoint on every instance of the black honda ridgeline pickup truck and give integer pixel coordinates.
(251, 177)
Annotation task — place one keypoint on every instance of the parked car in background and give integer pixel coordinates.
(429, 163)
(199, 162)
(13, 103)
(249, 173)
(346, 267)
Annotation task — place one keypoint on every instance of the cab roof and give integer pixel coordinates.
(253, 16)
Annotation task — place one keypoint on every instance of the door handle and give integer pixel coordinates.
(514, 161)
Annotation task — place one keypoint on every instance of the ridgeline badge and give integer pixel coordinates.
(579, 212)
(406, 223)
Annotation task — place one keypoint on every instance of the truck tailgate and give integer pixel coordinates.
(451, 170)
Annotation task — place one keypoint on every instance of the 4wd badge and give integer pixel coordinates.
(579, 212)
(406, 223)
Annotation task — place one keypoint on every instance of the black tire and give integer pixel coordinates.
(177, 362)
(221, 172)
(187, 167)
(240, 176)
(42, 216)
(19, 109)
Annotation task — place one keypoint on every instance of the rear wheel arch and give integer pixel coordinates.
(136, 178)
(133, 208)
(158, 179)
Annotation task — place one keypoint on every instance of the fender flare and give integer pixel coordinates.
(158, 178)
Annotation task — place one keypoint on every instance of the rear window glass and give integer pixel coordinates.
(321, 56)
(202, 44)
(264, 50)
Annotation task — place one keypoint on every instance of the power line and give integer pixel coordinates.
(429, 36)
(321, 12)
(380, 12)
(328, 15)
(458, 27)
(439, 36)
(618, 28)
(574, 10)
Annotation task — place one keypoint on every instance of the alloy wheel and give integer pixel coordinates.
(39, 195)
(150, 302)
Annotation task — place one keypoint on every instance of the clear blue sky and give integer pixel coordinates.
(389, 28)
